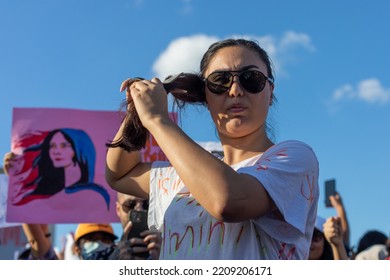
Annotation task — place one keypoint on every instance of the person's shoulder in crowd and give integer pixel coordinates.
(374, 252)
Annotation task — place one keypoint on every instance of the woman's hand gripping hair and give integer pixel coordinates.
(185, 88)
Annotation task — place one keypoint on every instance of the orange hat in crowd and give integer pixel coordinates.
(84, 229)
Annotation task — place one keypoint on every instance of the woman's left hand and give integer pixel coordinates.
(150, 100)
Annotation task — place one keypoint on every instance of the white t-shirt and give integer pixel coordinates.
(289, 173)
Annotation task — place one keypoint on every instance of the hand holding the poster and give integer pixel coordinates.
(13, 164)
(38, 235)
(8, 161)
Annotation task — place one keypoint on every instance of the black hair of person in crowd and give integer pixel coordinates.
(369, 238)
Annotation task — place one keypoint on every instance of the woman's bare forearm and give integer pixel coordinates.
(118, 161)
(125, 172)
(210, 181)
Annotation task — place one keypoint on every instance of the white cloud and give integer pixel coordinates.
(184, 54)
(346, 91)
(293, 39)
(369, 90)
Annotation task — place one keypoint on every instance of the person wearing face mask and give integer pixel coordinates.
(94, 241)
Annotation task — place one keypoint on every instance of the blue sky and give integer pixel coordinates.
(331, 68)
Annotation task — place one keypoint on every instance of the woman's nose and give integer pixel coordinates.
(236, 89)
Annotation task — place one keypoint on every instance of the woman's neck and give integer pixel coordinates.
(239, 149)
(72, 174)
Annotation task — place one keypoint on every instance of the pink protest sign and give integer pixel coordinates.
(58, 174)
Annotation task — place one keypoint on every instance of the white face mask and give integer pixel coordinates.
(90, 247)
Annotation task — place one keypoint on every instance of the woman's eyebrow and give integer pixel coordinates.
(241, 69)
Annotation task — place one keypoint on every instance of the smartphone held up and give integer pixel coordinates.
(139, 219)
(330, 189)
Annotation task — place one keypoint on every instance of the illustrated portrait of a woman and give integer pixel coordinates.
(54, 161)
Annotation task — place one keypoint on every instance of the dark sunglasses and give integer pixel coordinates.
(252, 81)
(130, 204)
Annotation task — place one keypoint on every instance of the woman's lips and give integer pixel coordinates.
(237, 108)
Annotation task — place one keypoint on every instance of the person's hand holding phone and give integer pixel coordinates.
(134, 233)
(335, 201)
(145, 243)
(153, 239)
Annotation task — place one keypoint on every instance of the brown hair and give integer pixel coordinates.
(185, 87)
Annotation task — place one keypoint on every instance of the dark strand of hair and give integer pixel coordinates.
(186, 88)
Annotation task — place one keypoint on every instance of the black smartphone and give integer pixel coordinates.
(139, 218)
(330, 189)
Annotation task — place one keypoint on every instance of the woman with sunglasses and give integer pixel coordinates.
(257, 202)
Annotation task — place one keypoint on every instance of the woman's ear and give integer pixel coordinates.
(272, 86)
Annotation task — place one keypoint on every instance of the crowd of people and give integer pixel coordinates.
(258, 200)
